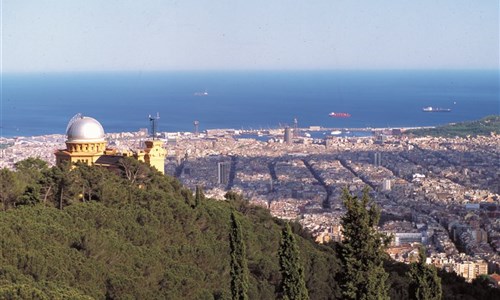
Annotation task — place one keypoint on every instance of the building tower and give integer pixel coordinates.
(223, 169)
(377, 159)
(288, 135)
(196, 124)
(154, 155)
(386, 185)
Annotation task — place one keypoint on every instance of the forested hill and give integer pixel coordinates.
(141, 236)
(484, 126)
(91, 233)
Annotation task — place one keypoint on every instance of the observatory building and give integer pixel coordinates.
(86, 144)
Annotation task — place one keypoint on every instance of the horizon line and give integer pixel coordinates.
(252, 70)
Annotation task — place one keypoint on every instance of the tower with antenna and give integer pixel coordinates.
(196, 124)
(154, 124)
(154, 153)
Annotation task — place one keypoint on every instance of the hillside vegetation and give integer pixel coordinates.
(485, 126)
(91, 233)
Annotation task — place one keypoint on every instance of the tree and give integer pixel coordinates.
(292, 285)
(199, 196)
(424, 281)
(33, 172)
(136, 172)
(11, 188)
(31, 169)
(63, 179)
(187, 195)
(233, 196)
(362, 250)
(239, 268)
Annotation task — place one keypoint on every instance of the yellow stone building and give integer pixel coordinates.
(86, 144)
(153, 155)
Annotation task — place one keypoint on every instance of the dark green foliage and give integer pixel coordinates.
(398, 280)
(65, 188)
(11, 188)
(199, 196)
(292, 274)
(455, 287)
(32, 169)
(127, 238)
(134, 171)
(485, 126)
(362, 250)
(233, 196)
(483, 281)
(120, 238)
(239, 268)
(187, 195)
(424, 282)
(26, 291)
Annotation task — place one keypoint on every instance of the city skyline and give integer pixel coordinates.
(60, 36)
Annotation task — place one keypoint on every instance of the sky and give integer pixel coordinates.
(156, 35)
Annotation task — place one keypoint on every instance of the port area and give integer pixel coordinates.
(318, 132)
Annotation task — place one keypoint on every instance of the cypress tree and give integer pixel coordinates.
(424, 281)
(199, 196)
(293, 286)
(239, 268)
(362, 250)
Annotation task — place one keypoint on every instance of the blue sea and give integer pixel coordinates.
(43, 103)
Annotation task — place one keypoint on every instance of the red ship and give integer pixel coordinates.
(339, 115)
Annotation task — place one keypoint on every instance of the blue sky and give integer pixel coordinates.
(108, 35)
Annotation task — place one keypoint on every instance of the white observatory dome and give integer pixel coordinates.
(84, 130)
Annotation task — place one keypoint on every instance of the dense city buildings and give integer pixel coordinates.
(439, 192)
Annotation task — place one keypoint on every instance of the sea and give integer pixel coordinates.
(43, 103)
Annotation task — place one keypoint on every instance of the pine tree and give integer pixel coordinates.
(424, 281)
(362, 250)
(293, 286)
(11, 188)
(239, 268)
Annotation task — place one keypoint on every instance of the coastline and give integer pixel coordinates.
(240, 131)
(245, 100)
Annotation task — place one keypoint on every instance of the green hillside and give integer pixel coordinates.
(485, 126)
(141, 240)
(141, 235)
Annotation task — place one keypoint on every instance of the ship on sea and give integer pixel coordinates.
(435, 109)
(339, 115)
(201, 94)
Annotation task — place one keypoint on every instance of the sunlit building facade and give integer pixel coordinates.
(86, 144)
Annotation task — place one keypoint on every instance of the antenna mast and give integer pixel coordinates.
(154, 124)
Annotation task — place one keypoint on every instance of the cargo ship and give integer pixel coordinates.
(339, 115)
(435, 109)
